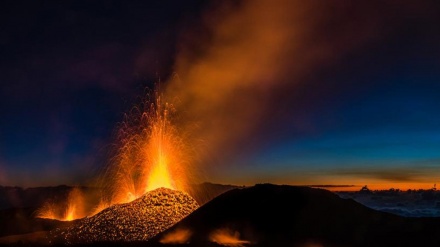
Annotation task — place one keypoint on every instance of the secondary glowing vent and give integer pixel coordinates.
(139, 220)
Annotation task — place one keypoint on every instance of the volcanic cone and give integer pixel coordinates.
(138, 220)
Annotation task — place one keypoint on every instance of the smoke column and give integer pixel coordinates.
(228, 67)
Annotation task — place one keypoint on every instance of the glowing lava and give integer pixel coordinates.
(159, 177)
(160, 150)
(70, 214)
(138, 220)
(72, 209)
(152, 153)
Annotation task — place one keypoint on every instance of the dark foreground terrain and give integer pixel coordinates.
(273, 215)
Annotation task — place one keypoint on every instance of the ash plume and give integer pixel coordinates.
(228, 69)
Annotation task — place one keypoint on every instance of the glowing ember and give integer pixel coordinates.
(139, 220)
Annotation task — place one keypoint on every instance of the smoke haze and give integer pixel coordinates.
(245, 52)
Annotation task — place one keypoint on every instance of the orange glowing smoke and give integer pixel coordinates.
(152, 153)
(178, 236)
(227, 237)
(71, 210)
(312, 244)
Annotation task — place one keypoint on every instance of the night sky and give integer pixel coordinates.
(356, 102)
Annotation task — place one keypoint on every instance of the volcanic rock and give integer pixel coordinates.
(138, 220)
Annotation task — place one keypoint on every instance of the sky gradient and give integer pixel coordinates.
(354, 99)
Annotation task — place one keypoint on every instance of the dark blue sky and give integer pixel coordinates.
(68, 73)
(69, 70)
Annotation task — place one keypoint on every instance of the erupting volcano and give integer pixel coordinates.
(152, 153)
(143, 187)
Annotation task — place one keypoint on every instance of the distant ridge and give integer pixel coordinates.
(330, 185)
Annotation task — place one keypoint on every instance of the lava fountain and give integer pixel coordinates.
(152, 153)
(71, 209)
(144, 188)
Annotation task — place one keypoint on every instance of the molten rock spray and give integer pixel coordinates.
(143, 188)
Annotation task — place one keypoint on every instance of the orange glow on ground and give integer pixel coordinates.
(227, 237)
(178, 236)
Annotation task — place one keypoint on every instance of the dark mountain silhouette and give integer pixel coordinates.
(205, 192)
(271, 215)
